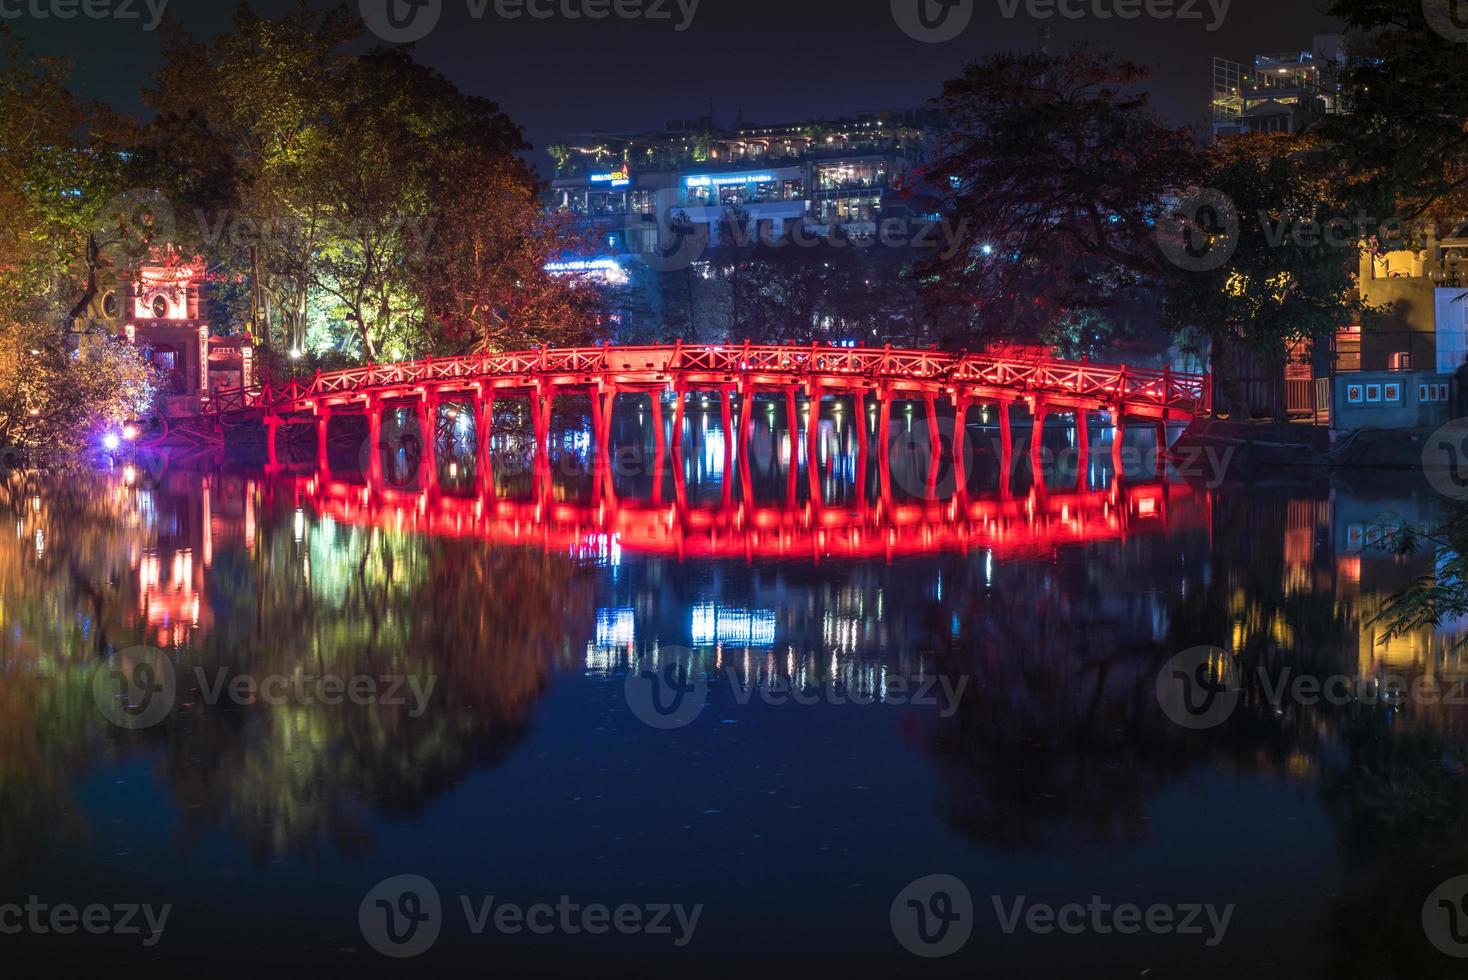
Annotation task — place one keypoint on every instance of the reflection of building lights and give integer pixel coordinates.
(299, 525)
(615, 628)
(739, 627)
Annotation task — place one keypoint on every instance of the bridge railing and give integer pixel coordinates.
(1108, 383)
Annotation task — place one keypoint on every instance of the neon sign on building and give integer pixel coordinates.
(706, 180)
(617, 178)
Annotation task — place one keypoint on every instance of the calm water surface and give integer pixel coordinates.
(893, 692)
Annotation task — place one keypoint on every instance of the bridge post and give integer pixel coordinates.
(272, 431)
(860, 420)
(323, 424)
(960, 445)
(658, 447)
(792, 422)
(1118, 437)
(726, 419)
(1083, 447)
(375, 476)
(884, 442)
(680, 399)
(935, 443)
(542, 402)
(1006, 449)
(1037, 441)
(1160, 428)
(813, 443)
(746, 420)
(483, 436)
(428, 405)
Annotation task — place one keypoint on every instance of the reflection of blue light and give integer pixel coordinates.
(740, 627)
(614, 628)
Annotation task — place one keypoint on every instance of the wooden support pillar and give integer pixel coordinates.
(860, 420)
(1160, 428)
(813, 443)
(960, 445)
(1006, 449)
(792, 423)
(272, 433)
(884, 443)
(1037, 435)
(375, 476)
(726, 420)
(1118, 438)
(680, 399)
(323, 427)
(935, 444)
(1083, 447)
(483, 441)
(543, 401)
(746, 420)
(428, 439)
(659, 445)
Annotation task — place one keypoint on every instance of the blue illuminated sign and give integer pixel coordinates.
(724, 181)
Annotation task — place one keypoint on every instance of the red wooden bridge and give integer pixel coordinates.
(1042, 384)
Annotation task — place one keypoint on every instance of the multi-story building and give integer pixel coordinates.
(815, 175)
(1279, 93)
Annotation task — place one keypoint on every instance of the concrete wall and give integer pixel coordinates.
(1425, 399)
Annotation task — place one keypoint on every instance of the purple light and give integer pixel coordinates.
(111, 442)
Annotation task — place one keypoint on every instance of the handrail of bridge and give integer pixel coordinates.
(1181, 393)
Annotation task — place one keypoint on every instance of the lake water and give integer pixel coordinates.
(740, 734)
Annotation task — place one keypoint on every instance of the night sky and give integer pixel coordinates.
(774, 60)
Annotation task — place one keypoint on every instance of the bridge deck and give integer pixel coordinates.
(748, 369)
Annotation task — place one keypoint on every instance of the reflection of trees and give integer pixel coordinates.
(63, 563)
(348, 602)
(486, 624)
